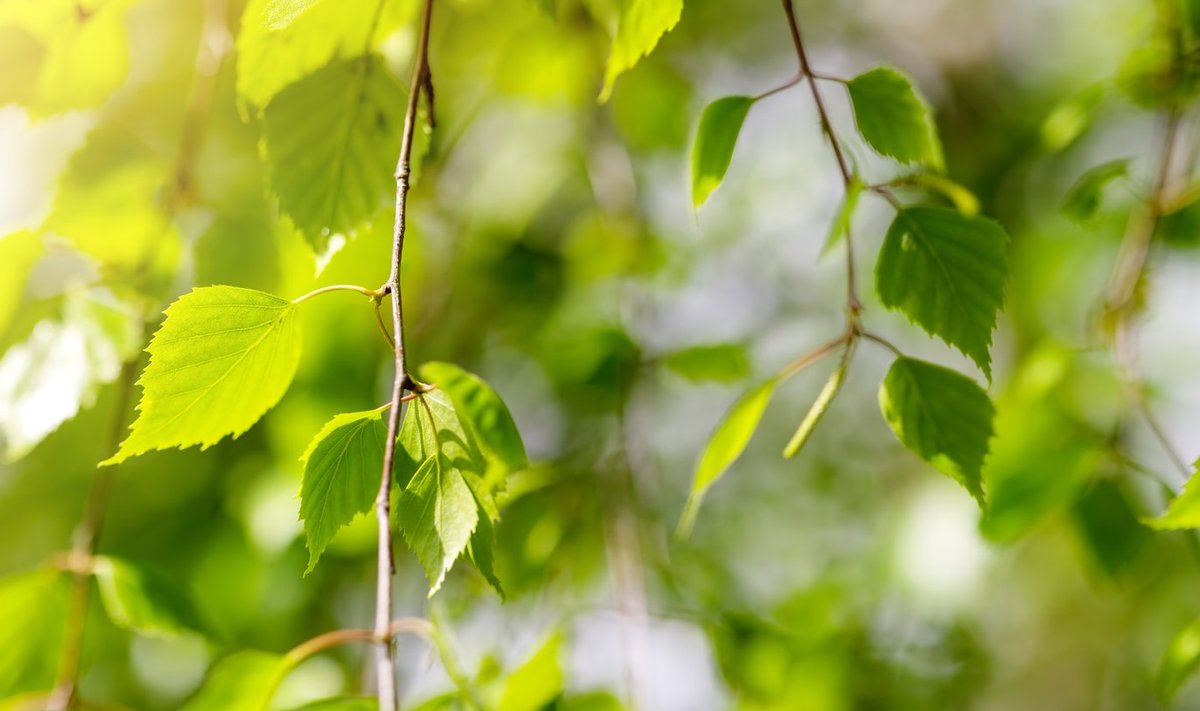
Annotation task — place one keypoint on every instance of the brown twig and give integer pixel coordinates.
(384, 665)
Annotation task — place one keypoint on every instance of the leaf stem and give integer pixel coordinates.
(371, 293)
(385, 673)
(782, 87)
(814, 355)
(883, 342)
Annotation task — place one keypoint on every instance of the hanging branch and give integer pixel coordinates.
(384, 664)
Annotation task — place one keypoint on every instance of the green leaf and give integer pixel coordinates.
(639, 26)
(963, 200)
(1179, 662)
(725, 445)
(840, 225)
(33, 606)
(143, 600)
(18, 252)
(1108, 527)
(817, 411)
(242, 681)
(719, 363)
(281, 41)
(223, 357)
(438, 514)
(893, 118)
(483, 411)
(536, 683)
(331, 141)
(715, 139)
(1184, 510)
(69, 57)
(1083, 198)
(342, 703)
(946, 272)
(342, 466)
(942, 416)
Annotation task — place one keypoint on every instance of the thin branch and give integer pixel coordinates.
(1121, 297)
(883, 342)
(854, 306)
(782, 87)
(213, 46)
(384, 665)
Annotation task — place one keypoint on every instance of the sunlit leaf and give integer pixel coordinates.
(893, 118)
(282, 41)
(942, 416)
(33, 606)
(715, 139)
(639, 26)
(537, 682)
(1184, 511)
(1083, 199)
(478, 405)
(946, 272)
(331, 141)
(840, 225)
(239, 682)
(725, 445)
(720, 363)
(45, 380)
(143, 600)
(342, 466)
(437, 514)
(223, 357)
(1179, 662)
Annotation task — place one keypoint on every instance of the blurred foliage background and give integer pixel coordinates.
(553, 250)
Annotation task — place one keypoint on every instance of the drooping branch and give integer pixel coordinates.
(384, 665)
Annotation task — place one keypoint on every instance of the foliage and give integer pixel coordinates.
(371, 271)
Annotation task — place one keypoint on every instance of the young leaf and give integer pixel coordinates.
(143, 600)
(817, 411)
(483, 411)
(946, 272)
(725, 445)
(944, 417)
(536, 683)
(241, 681)
(639, 26)
(719, 363)
(437, 513)
(481, 551)
(845, 213)
(1083, 198)
(1179, 662)
(893, 118)
(223, 357)
(718, 133)
(330, 141)
(342, 466)
(281, 42)
(33, 605)
(1184, 510)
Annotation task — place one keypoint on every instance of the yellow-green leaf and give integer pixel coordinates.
(242, 681)
(478, 405)
(342, 466)
(817, 411)
(143, 600)
(223, 357)
(537, 682)
(1184, 510)
(1179, 662)
(725, 445)
(718, 133)
(437, 513)
(639, 26)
